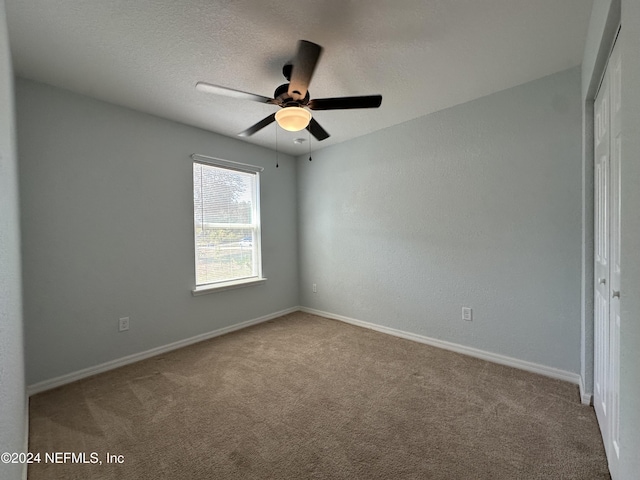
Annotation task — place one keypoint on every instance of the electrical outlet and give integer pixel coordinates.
(123, 324)
(467, 314)
(314, 288)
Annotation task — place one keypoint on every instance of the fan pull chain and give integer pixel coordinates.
(309, 135)
(276, 146)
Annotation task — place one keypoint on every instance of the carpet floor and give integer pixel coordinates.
(304, 397)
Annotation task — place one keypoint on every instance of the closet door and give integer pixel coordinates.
(615, 71)
(607, 175)
(601, 257)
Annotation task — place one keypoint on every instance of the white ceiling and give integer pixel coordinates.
(421, 55)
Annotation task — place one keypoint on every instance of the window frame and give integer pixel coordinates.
(257, 279)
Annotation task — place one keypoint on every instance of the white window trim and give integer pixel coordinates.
(219, 162)
(241, 282)
(222, 286)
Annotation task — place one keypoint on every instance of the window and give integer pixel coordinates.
(226, 218)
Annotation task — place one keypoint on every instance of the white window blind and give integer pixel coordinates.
(226, 222)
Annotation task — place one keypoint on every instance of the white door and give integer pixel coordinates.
(607, 173)
(601, 257)
(615, 69)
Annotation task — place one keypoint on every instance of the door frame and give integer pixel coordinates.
(589, 89)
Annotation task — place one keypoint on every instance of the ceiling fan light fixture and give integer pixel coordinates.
(293, 119)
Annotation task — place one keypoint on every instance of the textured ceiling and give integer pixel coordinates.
(421, 55)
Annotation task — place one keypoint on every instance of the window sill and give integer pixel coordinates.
(219, 287)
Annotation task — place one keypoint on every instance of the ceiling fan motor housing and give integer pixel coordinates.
(284, 100)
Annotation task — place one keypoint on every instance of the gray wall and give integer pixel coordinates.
(107, 219)
(604, 21)
(12, 392)
(478, 205)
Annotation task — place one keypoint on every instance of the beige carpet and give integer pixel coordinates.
(304, 397)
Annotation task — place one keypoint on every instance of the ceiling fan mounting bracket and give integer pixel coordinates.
(286, 71)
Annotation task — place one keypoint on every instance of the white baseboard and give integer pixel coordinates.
(136, 357)
(472, 352)
(585, 397)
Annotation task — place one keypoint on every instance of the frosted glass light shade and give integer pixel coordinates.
(293, 119)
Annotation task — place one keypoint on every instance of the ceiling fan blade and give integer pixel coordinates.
(258, 126)
(344, 103)
(317, 131)
(303, 68)
(230, 92)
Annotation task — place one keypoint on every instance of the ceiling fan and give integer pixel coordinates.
(293, 97)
